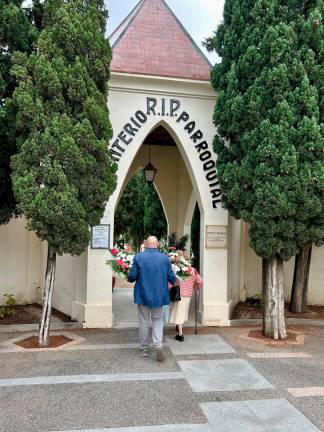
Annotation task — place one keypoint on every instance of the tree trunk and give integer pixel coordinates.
(298, 301)
(274, 325)
(44, 326)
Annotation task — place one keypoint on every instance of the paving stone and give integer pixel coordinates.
(84, 379)
(222, 375)
(285, 354)
(270, 415)
(163, 428)
(306, 391)
(65, 407)
(200, 344)
(57, 363)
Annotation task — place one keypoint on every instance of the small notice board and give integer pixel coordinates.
(216, 237)
(100, 236)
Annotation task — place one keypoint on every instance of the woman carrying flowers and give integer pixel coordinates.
(180, 309)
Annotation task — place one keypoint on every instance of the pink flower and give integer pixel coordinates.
(173, 248)
(120, 262)
(114, 251)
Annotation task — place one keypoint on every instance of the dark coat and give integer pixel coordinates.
(152, 271)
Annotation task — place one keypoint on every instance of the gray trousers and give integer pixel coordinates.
(145, 315)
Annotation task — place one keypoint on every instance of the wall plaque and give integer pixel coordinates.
(100, 236)
(216, 236)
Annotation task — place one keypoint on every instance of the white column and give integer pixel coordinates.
(93, 304)
(215, 301)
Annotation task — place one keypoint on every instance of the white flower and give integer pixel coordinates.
(175, 268)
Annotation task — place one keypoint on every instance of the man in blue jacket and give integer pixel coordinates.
(152, 271)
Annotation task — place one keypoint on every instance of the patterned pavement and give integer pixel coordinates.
(210, 383)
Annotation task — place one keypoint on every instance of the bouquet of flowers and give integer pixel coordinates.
(121, 261)
(180, 263)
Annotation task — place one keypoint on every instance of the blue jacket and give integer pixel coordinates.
(152, 271)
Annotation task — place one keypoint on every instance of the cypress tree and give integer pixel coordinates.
(195, 238)
(63, 173)
(17, 33)
(154, 218)
(266, 112)
(309, 143)
(140, 212)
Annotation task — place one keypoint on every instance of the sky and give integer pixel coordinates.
(199, 17)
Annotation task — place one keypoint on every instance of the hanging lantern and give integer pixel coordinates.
(149, 170)
(149, 173)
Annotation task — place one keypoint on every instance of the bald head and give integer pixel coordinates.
(152, 242)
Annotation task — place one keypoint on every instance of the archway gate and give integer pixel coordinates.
(184, 109)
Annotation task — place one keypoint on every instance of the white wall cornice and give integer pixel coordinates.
(130, 83)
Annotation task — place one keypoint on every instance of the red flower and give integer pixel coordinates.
(114, 251)
(120, 262)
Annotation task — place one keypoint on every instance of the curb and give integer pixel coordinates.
(291, 321)
(13, 328)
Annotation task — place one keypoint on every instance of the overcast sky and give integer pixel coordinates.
(199, 17)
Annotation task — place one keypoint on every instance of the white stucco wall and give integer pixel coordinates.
(234, 260)
(20, 261)
(253, 275)
(70, 279)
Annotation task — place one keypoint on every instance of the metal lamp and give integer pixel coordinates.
(149, 170)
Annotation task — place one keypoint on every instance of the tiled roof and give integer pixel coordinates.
(151, 41)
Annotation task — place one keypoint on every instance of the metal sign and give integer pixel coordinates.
(100, 236)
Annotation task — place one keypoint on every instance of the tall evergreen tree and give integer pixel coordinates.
(310, 30)
(195, 238)
(140, 212)
(17, 33)
(154, 218)
(63, 173)
(266, 112)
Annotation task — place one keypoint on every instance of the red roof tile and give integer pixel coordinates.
(153, 42)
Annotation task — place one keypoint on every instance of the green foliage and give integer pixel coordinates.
(178, 244)
(139, 212)
(63, 173)
(6, 309)
(195, 238)
(256, 300)
(154, 218)
(17, 33)
(269, 115)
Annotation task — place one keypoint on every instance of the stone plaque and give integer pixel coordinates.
(100, 236)
(216, 237)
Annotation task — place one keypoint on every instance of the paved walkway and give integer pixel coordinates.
(125, 311)
(215, 382)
